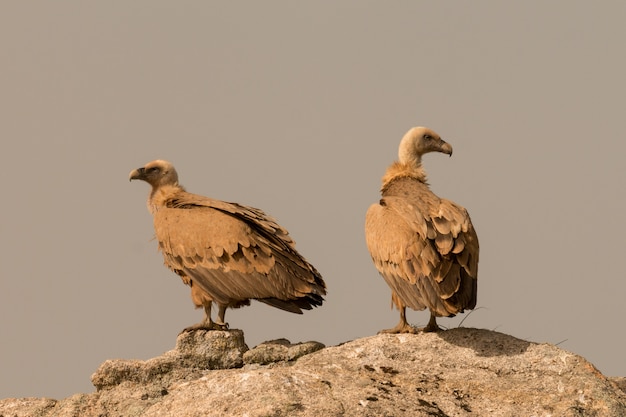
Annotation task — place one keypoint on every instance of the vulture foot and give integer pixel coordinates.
(205, 326)
(432, 325)
(400, 328)
(430, 329)
(403, 326)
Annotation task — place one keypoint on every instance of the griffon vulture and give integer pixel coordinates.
(425, 247)
(228, 253)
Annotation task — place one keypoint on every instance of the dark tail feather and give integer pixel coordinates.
(295, 306)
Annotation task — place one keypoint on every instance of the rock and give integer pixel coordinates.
(26, 407)
(211, 349)
(279, 350)
(195, 352)
(620, 381)
(459, 372)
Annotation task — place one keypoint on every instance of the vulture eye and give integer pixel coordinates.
(153, 170)
(427, 136)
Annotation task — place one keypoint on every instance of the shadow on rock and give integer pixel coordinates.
(486, 343)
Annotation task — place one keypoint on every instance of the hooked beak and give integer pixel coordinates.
(137, 174)
(445, 147)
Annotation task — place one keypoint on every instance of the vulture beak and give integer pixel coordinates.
(137, 174)
(445, 147)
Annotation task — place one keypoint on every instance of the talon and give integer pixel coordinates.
(431, 329)
(222, 326)
(432, 325)
(403, 326)
(205, 326)
(407, 328)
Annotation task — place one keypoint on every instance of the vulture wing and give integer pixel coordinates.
(426, 249)
(235, 252)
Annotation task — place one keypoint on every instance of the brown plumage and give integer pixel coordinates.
(228, 253)
(425, 247)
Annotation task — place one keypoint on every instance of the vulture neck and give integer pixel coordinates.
(160, 195)
(398, 170)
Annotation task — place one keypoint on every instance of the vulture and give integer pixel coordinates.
(226, 252)
(425, 247)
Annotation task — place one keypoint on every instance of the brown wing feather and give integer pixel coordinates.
(235, 252)
(426, 249)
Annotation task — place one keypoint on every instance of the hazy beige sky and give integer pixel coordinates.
(298, 109)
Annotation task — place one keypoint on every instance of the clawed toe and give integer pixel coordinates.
(431, 329)
(405, 328)
(205, 326)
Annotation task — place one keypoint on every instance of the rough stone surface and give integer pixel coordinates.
(26, 407)
(459, 372)
(279, 350)
(620, 381)
(195, 352)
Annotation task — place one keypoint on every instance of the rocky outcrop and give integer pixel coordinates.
(195, 353)
(459, 372)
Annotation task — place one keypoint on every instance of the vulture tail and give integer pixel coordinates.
(295, 306)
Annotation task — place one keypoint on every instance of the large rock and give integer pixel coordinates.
(459, 372)
(195, 352)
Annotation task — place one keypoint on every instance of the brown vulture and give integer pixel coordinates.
(425, 247)
(228, 253)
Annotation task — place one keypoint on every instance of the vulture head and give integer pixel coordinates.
(418, 141)
(156, 173)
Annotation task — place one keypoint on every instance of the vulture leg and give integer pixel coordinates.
(207, 323)
(220, 317)
(403, 326)
(432, 324)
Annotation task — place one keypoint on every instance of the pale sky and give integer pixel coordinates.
(298, 108)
